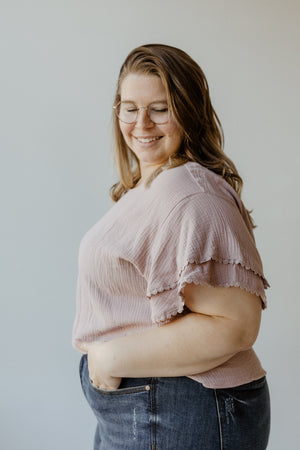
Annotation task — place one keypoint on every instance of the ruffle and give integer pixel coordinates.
(167, 301)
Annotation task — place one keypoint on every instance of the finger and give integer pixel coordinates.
(103, 387)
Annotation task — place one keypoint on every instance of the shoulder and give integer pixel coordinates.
(182, 183)
(191, 193)
(187, 193)
(178, 182)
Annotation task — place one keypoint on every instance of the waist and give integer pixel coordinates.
(244, 367)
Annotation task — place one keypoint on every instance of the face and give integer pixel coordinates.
(151, 143)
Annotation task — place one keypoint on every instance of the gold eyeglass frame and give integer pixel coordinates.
(138, 110)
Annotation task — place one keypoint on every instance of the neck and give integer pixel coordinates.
(146, 171)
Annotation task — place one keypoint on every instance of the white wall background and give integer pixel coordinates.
(59, 64)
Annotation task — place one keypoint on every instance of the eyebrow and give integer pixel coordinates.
(154, 101)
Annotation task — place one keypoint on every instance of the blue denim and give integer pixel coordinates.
(178, 413)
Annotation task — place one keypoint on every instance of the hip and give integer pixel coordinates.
(178, 412)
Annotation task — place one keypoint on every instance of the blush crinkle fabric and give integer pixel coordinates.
(205, 241)
(189, 226)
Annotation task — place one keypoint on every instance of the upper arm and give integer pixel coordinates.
(205, 240)
(239, 306)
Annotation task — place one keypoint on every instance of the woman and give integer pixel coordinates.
(170, 285)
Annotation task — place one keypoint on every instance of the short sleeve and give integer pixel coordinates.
(205, 239)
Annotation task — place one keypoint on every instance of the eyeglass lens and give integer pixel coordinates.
(128, 112)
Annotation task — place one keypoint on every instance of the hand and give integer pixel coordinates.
(99, 377)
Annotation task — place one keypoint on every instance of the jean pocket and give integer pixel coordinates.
(125, 388)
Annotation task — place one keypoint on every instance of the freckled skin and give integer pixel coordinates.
(143, 90)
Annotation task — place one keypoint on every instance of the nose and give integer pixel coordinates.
(143, 120)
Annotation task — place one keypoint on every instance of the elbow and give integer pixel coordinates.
(245, 329)
(246, 337)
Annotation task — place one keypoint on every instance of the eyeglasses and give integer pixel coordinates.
(128, 112)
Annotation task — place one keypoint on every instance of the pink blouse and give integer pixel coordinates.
(189, 226)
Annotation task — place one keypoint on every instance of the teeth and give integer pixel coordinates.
(145, 140)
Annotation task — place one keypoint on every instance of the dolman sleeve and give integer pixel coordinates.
(205, 239)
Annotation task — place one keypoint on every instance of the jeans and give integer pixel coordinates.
(178, 413)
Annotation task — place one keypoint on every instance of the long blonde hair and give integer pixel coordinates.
(189, 100)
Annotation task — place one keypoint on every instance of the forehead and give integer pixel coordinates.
(143, 89)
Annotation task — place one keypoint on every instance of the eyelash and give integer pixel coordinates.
(160, 110)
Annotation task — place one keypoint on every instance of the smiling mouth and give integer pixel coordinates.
(146, 140)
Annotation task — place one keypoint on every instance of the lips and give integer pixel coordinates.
(147, 139)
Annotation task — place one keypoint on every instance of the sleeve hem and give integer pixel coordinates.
(165, 303)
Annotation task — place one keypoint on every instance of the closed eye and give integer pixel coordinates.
(159, 110)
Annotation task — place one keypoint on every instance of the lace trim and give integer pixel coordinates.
(169, 316)
(197, 262)
(224, 261)
(172, 310)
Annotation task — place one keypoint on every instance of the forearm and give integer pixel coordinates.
(191, 344)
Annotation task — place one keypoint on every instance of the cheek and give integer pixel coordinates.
(174, 129)
(125, 130)
(175, 133)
